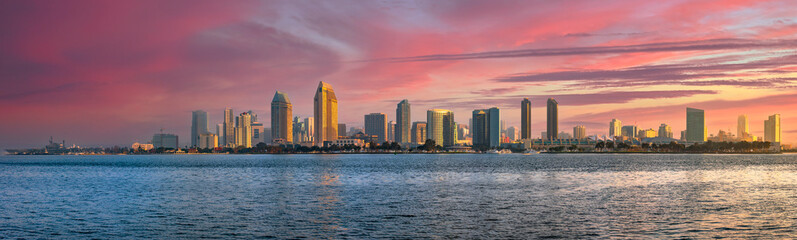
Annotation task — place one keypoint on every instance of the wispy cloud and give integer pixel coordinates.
(702, 45)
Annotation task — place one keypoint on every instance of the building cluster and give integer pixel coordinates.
(486, 129)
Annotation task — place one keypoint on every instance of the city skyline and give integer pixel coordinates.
(93, 80)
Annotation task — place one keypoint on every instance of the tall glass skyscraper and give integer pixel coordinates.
(325, 111)
(199, 125)
(487, 127)
(772, 129)
(615, 128)
(229, 127)
(376, 125)
(742, 127)
(525, 119)
(402, 133)
(440, 127)
(281, 115)
(553, 119)
(695, 125)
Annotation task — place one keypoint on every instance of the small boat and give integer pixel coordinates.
(531, 152)
(502, 151)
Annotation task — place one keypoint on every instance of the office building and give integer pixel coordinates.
(742, 127)
(629, 131)
(615, 128)
(309, 124)
(281, 114)
(772, 129)
(342, 130)
(299, 131)
(695, 125)
(462, 131)
(208, 140)
(376, 125)
(486, 127)
(525, 119)
(391, 131)
(163, 140)
(229, 127)
(258, 133)
(440, 127)
(647, 133)
(419, 132)
(512, 134)
(199, 125)
(580, 132)
(553, 119)
(220, 133)
(325, 112)
(243, 130)
(403, 124)
(665, 131)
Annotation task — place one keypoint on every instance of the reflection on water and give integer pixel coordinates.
(412, 196)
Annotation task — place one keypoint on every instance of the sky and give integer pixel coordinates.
(103, 73)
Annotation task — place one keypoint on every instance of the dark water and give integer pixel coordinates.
(407, 196)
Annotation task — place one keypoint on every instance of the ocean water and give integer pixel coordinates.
(399, 196)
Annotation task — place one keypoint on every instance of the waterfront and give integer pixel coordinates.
(412, 196)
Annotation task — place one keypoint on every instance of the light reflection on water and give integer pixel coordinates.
(413, 196)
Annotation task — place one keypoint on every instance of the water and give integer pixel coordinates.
(406, 196)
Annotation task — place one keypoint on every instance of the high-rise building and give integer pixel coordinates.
(742, 127)
(440, 127)
(772, 129)
(580, 132)
(220, 133)
(243, 130)
(683, 135)
(299, 131)
(252, 115)
(695, 125)
(208, 140)
(229, 127)
(525, 119)
(630, 131)
(267, 135)
(199, 125)
(615, 128)
(402, 134)
(462, 131)
(665, 131)
(325, 111)
(342, 130)
(512, 133)
(281, 114)
(376, 125)
(419, 132)
(309, 133)
(391, 131)
(647, 133)
(257, 133)
(486, 127)
(163, 140)
(553, 119)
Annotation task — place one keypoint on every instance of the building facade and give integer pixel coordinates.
(580, 132)
(325, 112)
(665, 131)
(695, 125)
(419, 132)
(376, 125)
(208, 140)
(553, 119)
(487, 127)
(199, 125)
(403, 124)
(525, 119)
(615, 128)
(440, 127)
(163, 140)
(772, 129)
(281, 115)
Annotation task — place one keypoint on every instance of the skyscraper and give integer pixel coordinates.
(402, 134)
(512, 133)
(419, 132)
(325, 111)
(580, 132)
(208, 140)
(391, 131)
(309, 124)
(695, 125)
(342, 130)
(440, 127)
(281, 114)
(772, 129)
(615, 128)
(665, 131)
(487, 128)
(229, 127)
(243, 131)
(220, 133)
(375, 124)
(525, 119)
(199, 125)
(630, 131)
(742, 127)
(553, 119)
(299, 131)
